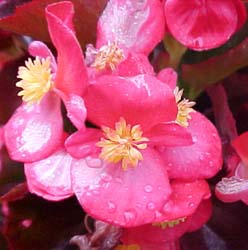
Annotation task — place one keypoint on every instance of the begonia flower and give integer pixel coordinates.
(203, 25)
(161, 236)
(235, 187)
(127, 31)
(139, 122)
(36, 128)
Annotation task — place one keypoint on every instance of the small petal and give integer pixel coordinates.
(241, 146)
(37, 48)
(202, 159)
(34, 132)
(232, 189)
(136, 25)
(51, 177)
(71, 76)
(83, 143)
(168, 76)
(75, 108)
(184, 200)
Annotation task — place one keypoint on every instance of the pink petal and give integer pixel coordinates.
(184, 200)
(127, 198)
(135, 64)
(37, 48)
(75, 108)
(200, 24)
(169, 134)
(232, 189)
(241, 146)
(142, 100)
(83, 143)
(150, 236)
(168, 76)
(136, 25)
(34, 132)
(51, 177)
(203, 159)
(71, 75)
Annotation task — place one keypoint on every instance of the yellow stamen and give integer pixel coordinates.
(171, 223)
(128, 247)
(36, 80)
(108, 56)
(184, 108)
(122, 144)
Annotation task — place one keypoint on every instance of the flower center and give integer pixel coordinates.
(122, 144)
(36, 80)
(170, 223)
(128, 247)
(184, 108)
(108, 56)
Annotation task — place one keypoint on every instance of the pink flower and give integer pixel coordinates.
(159, 236)
(203, 25)
(127, 31)
(36, 128)
(141, 123)
(234, 188)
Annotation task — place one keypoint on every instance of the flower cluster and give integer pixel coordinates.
(140, 154)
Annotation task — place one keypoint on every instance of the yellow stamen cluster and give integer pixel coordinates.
(122, 144)
(108, 56)
(128, 247)
(36, 80)
(171, 223)
(184, 108)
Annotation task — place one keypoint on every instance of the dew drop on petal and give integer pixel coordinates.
(150, 206)
(106, 177)
(111, 207)
(93, 162)
(148, 188)
(191, 204)
(130, 216)
(211, 163)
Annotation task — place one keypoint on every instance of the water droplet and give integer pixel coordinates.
(191, 204)
(148, 188)
(211, 163)
(150, 206)
(214, 135)
(93, 162)
(201, 157)
(24, 155)
(190, 196)
(111, 207)
(194, 139)
(207, 154)
(169, 164)
(158, 214)
(130, 216)
(106, 177)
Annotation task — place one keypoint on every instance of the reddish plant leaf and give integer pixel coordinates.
(28, 16)
(35, 224)
(16, 193)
